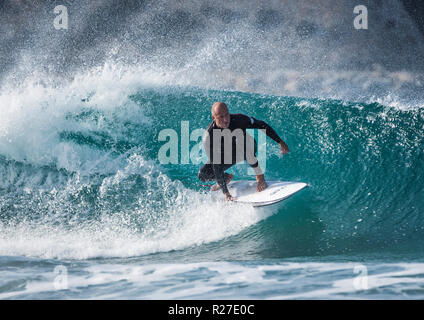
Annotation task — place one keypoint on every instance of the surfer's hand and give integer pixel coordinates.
(284, 147)
(229, 197)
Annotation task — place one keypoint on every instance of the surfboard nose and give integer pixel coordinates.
(245, 191)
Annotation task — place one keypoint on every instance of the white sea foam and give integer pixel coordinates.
(34, 115)
(176, 218)
(188, 226)
(233, 280)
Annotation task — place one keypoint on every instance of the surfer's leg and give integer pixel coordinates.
(206, 173)
(252, 160)
(250, 153)
(260, 178)
(228, 176)
(254, 164)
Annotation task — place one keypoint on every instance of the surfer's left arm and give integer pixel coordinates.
(253, 123)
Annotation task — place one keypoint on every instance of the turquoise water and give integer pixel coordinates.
(88, 210)
(82, 188)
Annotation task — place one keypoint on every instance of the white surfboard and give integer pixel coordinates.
(245, 191)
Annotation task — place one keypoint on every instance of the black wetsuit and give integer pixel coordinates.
(217, 164)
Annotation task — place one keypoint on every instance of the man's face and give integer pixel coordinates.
(222, 118)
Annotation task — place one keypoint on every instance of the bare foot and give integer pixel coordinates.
(229, 197)
(261, 183)
(217, 187)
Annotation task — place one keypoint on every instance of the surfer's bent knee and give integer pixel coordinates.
(201, 176)
(204, 173)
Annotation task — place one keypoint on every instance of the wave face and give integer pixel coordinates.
(80, 176)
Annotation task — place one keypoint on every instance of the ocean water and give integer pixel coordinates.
(84, 197)
(87, 210)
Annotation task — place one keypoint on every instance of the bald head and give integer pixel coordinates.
(219, 107)
(220, 114)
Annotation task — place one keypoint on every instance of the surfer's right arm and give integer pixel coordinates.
(250, 122)
(284, 147)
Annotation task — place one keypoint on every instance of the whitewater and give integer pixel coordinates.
(84, 197)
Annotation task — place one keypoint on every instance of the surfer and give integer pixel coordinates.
(226, 125)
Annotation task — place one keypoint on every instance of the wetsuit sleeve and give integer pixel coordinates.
(252, 123)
